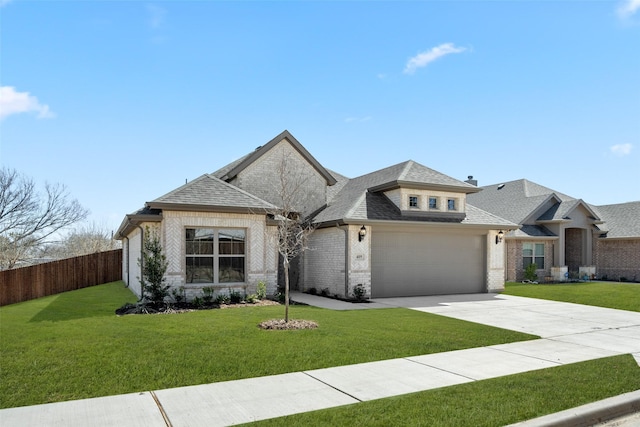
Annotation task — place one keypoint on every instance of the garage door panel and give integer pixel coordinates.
(418, 263)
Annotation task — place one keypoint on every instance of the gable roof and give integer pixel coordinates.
(362, 198)
(230, 171)
(521, 200)
(622, 220)
(208, 192)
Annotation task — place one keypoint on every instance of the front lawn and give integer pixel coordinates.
(73, 346)
(493, 402)
(623, 296)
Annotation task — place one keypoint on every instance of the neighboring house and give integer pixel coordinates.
(403, 230)
(564, 236)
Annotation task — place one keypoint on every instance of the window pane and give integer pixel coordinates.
(231, 242)
(451, 204)
(413, 201)
(433, 203)
(199, 270)
(527, 250)
(540, 249)
(540, 263)
(199, 241)
(231, 269)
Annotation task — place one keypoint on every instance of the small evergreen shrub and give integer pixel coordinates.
(261, 292)
(207, 295)
(235, 297)
(359, 292)
(530, 272)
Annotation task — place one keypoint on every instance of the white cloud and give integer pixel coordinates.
(621, 149)
(424, 58)
(12, 102)
(628, 8)
(156, 15)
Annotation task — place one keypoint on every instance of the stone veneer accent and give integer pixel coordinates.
(495, 262)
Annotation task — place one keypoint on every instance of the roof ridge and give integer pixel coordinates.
(407, 167)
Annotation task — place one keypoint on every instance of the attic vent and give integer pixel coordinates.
(258, 147)
(500, 187)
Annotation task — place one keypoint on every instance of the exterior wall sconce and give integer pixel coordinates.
(362, 233)
(499, 236)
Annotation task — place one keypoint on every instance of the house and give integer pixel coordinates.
(399, 231)
(564, 236)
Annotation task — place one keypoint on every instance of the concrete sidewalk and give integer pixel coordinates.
(571, 333)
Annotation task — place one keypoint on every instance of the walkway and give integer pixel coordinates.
(570, 333)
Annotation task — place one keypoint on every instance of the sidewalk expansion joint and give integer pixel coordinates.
(329, 385)
(440, 369)
(161, 409)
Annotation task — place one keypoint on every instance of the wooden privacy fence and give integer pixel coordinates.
(22, 284)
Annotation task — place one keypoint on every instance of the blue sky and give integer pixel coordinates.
(122, 101)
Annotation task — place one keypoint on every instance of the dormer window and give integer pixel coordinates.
(433, 203)
(413, 202)
(451, 205)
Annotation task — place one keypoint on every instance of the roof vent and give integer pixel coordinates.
(500, 187)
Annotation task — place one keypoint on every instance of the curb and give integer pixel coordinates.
(589, 414)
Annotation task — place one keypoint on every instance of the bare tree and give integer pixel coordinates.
(28, 218)
(83, 240)
(292, 230)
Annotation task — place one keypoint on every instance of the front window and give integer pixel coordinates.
(413, 202)
(215, 255)
(433, 203)
(451, 204)
(533, 253)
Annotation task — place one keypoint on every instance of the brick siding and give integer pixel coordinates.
(619, 258)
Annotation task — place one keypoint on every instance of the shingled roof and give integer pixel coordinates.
(518, 200)
(622, 220)
(362, 198)
(207, 192)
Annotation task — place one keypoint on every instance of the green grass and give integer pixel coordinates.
(623, 296)
(73, 346)
(492, 402)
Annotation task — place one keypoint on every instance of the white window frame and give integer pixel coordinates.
(534, 256)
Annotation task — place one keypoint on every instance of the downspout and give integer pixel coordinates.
(128, 257)
(141, 261)
(346, 258)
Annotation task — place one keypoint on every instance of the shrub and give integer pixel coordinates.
(325, 292)
(222, 299)
(313, 291)
(153, 264)
(178, 295)
(359, 292)
(198, 302)
(261, 291)
(530, 272)
(235, 297)
(207, 295)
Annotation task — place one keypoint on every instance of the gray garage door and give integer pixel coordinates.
(411, 263)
